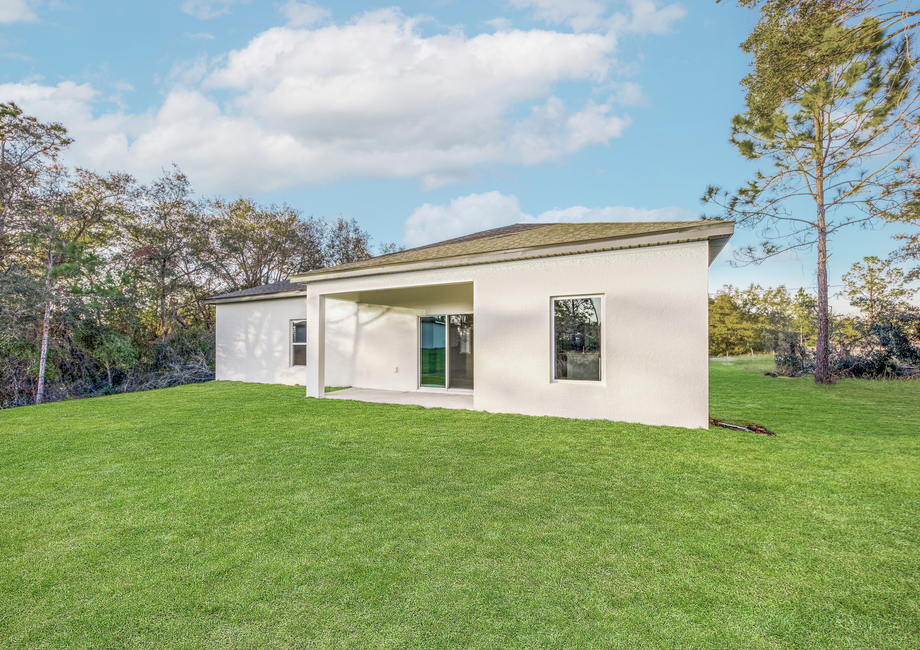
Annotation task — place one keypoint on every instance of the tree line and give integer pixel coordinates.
(880, 340)
(104, 279)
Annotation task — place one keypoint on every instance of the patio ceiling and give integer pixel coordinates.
(426, 298)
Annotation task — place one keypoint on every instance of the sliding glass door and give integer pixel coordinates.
(460, 361)
(446, 351)
(431, 355)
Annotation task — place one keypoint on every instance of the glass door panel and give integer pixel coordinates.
(461, 351)
(431, 355)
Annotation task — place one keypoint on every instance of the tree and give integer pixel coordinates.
(772, 310)
(877, 289)
(115, 351)
(837, 132)
(803, 311)
(783, 56)
(910, 252)
(252, 245)
(732, 328)
(390, 248)
(27, 147)
(346, 242)
(68, 220)
(103, 282)
(160, 248)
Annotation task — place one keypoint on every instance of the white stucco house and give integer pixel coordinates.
(596, 320)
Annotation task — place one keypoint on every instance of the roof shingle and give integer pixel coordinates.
(264, 290)
(520, 236)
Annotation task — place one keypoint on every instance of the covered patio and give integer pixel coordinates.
(392, 342)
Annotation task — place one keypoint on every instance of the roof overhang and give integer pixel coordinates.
(716, 235)
(262, 296)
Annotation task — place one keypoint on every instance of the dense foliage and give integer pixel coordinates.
(104, 280)
(757, 319)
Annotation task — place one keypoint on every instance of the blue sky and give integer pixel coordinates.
(422, 120)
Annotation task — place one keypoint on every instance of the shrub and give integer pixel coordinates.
(793, 359)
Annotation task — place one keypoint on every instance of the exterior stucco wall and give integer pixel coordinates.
(654, 329)
(367, 346)
(654, 333)
(253, 341)
(370, 346)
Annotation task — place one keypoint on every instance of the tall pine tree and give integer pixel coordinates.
(835, 119)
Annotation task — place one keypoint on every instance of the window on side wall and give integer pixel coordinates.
(298, 343)
(577, 339)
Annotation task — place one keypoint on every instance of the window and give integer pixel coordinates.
(298, 343)
(577, 339)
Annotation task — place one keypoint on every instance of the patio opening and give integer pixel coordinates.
(396, 339)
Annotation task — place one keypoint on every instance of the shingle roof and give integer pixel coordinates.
(265, 290)
(521, 236)
(494, 232)
(526, 236)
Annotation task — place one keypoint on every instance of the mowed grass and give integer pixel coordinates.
(242, 516)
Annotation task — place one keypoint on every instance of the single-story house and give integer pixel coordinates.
(578, 320)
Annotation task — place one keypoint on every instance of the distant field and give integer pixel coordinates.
(243, 516)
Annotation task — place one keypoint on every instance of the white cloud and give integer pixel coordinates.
(431, 223)
(580, 14)
(207, 9)
(550, 131)
(16, 11)
(476, 212)
(303, 14)
(201, 36)
(67, 99)
(620, 213)
(99, 142)
(644, 16)
(188, 73)
(627, 93)
(500, 24)
(369, 98)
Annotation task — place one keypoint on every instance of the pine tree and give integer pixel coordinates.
(877, 289)
(836, 127)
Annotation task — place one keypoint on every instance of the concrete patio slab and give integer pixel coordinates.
(418, 398)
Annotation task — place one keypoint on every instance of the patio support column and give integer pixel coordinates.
(316, 343)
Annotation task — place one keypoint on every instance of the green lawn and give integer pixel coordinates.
(243, 516)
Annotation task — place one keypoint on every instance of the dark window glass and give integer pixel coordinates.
(461, 351)
(300, 355)
(300, 331)
(299, 343)
(577, 338)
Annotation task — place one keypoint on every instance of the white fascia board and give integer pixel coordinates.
(263, 296)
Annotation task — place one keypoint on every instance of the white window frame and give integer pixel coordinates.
(552, 340)
(293, 345)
